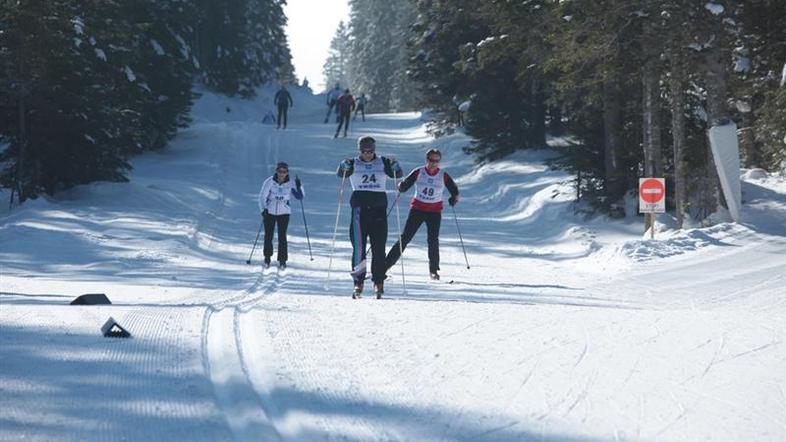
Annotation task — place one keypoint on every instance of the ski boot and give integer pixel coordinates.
(435, 276)
(266, 265)
(282, 265)
(358, 290)
(379, 289)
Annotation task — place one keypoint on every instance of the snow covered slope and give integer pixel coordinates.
(561, 329)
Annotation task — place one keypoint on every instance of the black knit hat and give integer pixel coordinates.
(282, 165)
(367, 143)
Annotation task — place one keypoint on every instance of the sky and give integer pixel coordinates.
(548, 324)
(310, 27)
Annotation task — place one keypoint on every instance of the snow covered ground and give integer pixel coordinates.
(562, 329)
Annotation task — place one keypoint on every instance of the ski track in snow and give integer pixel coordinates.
(537, 341)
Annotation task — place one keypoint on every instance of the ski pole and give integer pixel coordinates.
(248, 261)
(303, 210)
(460, 239)
(400, 241)
(335, 230)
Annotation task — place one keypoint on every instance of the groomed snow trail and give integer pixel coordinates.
(561, 330)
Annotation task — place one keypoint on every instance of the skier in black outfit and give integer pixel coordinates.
(282, 100)
(430, 181)
(368, 174)
(344, 107)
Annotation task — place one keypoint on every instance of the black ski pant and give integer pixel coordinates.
(331, 103)
(414, 220)
(369, 224)
(271, 221)
(362, 110)
(343, 120)
(282, 113)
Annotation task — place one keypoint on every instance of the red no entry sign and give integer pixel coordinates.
(652, 195)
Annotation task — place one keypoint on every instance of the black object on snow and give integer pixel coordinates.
(111, 329)
(91, 299)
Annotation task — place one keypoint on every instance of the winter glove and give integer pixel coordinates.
(298, 184)
(264, 213)
(345, 166)
(453, 200)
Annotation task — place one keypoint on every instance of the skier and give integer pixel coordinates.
(368, 174)
(344, 107)
(332, 96)
(282, 100)
(361, 107)
(274, 205)
(269, 118)
(430, 181)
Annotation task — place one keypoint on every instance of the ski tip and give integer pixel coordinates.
(450, 282)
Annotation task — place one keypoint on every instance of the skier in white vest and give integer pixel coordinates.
(368, 175)
(430, 181)
(274, 205)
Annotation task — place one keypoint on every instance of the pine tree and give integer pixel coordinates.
(379, 31)
(334, 70)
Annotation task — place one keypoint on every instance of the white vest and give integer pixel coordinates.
(369, 176)
(275, 197)
(428, 189)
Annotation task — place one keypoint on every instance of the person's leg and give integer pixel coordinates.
(345, 121)
(283, 222)
(378, 231)
(270, 223)
(278, 117)
(433, 222)
(286, 111)
(363, 113)
(357, 237)
(338, 129)
(414, 220)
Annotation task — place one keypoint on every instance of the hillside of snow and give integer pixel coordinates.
(546, 325)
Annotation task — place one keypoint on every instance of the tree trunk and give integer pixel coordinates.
(538, 113)
(21, 160)
(651, 124)
(612, 130)
(717, 113)
(677, 86)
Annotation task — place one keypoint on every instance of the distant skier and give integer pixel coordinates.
(368, 175)
(430, 181)
(274, 204)
(269, 117)
(332, 96)
(282, 100)
(361, 107)
(344, 107)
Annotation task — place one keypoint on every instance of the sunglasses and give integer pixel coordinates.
(434, 160)
(366, 151)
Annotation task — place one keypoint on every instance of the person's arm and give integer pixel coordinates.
(289, 96)
(298, 191)
(392, 168)
(263, 194)
(345, 168)
(409, 181)
(452, 188)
